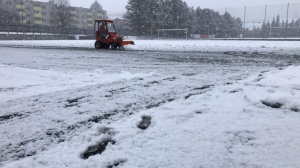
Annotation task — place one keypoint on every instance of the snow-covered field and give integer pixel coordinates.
(210, 104)
(287, 47)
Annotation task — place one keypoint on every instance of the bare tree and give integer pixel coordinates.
(7, 16)
(63, 12)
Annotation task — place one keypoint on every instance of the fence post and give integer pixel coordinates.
(287, 21)
(245, 22)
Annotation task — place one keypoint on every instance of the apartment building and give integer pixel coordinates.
(35, 13)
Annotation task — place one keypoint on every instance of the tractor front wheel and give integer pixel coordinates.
(98, 45)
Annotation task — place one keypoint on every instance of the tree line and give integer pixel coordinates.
(278, 28)
(145, 17)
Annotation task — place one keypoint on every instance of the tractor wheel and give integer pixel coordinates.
(114, 46)
(98, 45)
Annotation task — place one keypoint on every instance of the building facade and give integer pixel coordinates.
(35, 13)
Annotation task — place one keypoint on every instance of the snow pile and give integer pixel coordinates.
(230, 125)
(215, 45)
(287, 47)
(17, 82)
(279, 89)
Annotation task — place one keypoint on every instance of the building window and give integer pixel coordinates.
(8, 2)
(28, 22)
(43, 7)
(44, 13)
(27, 8)
(37, 19)
(28, 15)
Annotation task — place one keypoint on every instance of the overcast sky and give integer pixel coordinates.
(118, 6)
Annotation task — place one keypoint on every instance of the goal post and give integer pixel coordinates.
(186, 32)
(284, 29)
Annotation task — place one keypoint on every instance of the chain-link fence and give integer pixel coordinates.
(269, 21)
(24, 29)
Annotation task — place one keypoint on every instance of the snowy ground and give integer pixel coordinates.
(65, 104)
(270, 47)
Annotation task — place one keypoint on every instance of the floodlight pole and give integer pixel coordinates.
(177, 24)
(22, 3)
(287, 18)
(265, 20)
(151, 25)
(244, 22)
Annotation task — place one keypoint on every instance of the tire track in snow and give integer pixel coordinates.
(59, 116)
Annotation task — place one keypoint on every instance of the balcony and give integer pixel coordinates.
(38, 22)
(100, 15)
(73, 12)
(37, 15)
(90, 25)
(20, 6)
(90, 19)
(37, 8)
(22, 14)
(24, 21)
(89, 13)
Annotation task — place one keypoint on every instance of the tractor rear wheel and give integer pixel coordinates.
(98, 45)
(114, 46)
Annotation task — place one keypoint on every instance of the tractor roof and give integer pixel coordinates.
(104, 21)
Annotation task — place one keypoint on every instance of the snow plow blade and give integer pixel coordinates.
(127, 43)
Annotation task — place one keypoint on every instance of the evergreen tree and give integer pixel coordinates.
(144, 16)
(230, 25)
(268, 28)
(297, 23)
(98, 8)
(264, 30)
(239, 26)
(191, 21)
(282, 24)
(137, 17)
(292, 24)
(278, 21)
(273, 24)
(274, 31)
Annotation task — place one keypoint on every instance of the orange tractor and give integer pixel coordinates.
(106, 36)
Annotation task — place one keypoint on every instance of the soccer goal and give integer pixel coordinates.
(284, 30)
(177, 33)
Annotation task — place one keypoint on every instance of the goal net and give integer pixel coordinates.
(280, 32)
(172, 33)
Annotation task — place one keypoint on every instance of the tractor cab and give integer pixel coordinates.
(106, 35)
